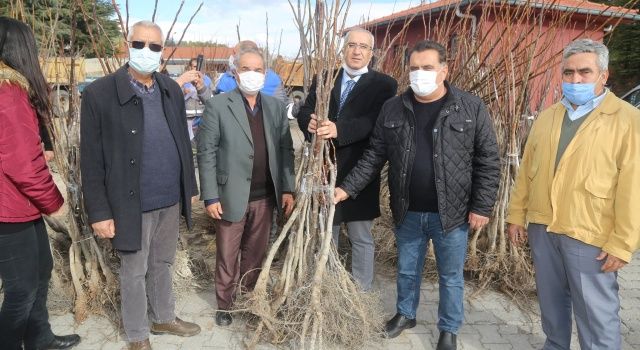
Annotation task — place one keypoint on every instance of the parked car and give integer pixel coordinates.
(633, 96)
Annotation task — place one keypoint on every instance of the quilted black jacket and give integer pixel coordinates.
(465, 157)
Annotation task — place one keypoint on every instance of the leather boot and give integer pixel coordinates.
(140, 345)
(397, 324)
(446, 341)
(62, 342)
(223, 318)
(177, 327)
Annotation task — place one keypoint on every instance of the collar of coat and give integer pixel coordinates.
(360, 86)
(9, 75)
(610, 105)
(126, 91)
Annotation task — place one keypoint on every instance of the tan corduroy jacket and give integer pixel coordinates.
(594, 194)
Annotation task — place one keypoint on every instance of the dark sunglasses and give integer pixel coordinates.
(141, 44)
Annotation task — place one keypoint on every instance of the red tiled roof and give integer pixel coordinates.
(220, 53)
(560, 5)
(209, 52)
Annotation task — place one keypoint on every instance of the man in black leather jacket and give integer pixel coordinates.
(444, 171)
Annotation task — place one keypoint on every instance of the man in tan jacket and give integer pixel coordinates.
(578, 190)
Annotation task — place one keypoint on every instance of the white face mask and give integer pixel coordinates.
(144, 60)
(355, 72)
(251, 82)
(423, 82)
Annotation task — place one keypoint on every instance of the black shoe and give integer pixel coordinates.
(63, 342)
(397, 324)
(447, 341)
(223, 318)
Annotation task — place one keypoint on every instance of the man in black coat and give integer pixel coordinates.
(444, 171)
(137, 175)
(356, 99)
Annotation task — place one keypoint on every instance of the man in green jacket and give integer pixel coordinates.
(245, 160)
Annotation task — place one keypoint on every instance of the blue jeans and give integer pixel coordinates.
(412, 236)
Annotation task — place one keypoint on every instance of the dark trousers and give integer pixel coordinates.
(25, 270)
(248, 239)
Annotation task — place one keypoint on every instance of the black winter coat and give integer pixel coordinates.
(465, 157)
(355, 124)
(111, 147)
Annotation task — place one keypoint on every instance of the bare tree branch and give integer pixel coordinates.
(126, 28)
(155, 8)
(183, 32)
(123, 26)
(175, 19)
(96, 48)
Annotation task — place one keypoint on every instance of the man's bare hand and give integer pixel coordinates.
(612, 264)
(190, 76)
(199, 81)
(327, 130)
(339, 195)
(313, 124)
(287, 203)
(104, 229)
(49, 155)
(517, 234)
(477, 222)
(215, 210)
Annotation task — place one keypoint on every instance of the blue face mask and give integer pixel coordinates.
(579, 94)
(143, 60)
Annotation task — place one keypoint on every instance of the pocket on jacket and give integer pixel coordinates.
(393, 133)
(392, 124)
(598, 203)
(458, 126)
(533, 170)
(461, 139)
(600, 187)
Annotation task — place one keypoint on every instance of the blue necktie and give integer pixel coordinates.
(345, 93)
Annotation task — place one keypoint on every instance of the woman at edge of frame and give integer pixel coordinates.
(27, 191)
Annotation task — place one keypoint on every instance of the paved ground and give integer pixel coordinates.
(491, 322)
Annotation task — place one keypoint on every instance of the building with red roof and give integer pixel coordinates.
(398, 32)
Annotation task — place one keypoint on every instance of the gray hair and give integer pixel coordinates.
(243, 51)
(588, 46)
(144, 24)
(361, 30)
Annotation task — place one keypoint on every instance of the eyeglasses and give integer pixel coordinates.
(141, 44)
(363, 47)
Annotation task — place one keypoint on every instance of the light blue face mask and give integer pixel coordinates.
(579, 94)
(144, 60)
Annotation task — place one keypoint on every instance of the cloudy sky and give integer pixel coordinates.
(217, 19)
